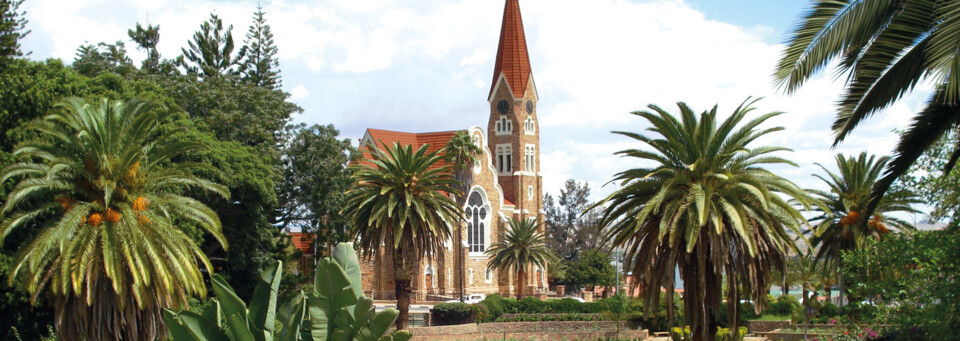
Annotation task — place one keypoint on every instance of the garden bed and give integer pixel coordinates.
(555, 330)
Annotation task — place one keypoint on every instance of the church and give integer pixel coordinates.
(506, 182)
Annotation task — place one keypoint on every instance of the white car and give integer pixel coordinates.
(470, 299)
(578, 299)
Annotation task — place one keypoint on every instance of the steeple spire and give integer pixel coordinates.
(512, 58)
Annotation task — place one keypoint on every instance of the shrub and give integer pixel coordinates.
(569, 305)
(532, 305)
(495, 306)
(452, 313)
(723, 334)
(785, 305)
(829, 310)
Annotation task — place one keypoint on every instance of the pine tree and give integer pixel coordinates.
(211, 50)
(12, 28)
(260, 66)
(147, 40)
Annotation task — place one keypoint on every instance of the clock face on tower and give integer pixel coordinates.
(503, 106)
(530, 107)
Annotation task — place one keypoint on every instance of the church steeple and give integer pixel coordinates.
(512, 58)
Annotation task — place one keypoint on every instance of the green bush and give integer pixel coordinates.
(829, 310)
(533, 305)
(451, 313)
(723, 334)
(496, 305)
(785, 305)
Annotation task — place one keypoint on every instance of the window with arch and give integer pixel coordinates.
(504, 158)
(477, 222)
(488, 277)
(428, 277)
(530, 160)
(529, 127)
(504, 126)
(529, 192)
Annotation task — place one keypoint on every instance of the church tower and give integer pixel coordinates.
(513, 130)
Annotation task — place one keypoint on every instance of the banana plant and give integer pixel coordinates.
(229, 319)
(336, 310)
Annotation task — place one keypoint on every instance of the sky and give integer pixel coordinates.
(420, 66)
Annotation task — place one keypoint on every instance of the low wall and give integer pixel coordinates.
(567, 330)
(765, 326)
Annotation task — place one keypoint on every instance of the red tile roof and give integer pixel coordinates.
(512, 57)
(302, 241)
(386, 138)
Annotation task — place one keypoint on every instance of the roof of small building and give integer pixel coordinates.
(302, 241)
(386, 138)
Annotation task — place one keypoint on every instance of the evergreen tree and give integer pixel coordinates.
(92, 59)
(147, 40)
(211, 50)
(12, 28)
(260, 66)
(571, 227)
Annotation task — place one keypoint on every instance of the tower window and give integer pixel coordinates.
(503, 126)
(530, 158)
(504, 158)
(529, 127)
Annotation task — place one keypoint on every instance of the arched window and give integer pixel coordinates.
(477, 222)
(428, 280)
(529, 127)
(530, 158)
(488, 277)
(504, 158)
(503, 127)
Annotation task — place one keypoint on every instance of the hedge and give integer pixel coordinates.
(451, 313)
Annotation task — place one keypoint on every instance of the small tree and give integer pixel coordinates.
(519, 247)
(616, 308)
(593, 268)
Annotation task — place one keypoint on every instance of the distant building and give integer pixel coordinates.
(507, 181)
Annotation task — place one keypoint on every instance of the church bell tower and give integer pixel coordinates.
(513, 128)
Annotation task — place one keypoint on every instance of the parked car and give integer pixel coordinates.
(470, 299)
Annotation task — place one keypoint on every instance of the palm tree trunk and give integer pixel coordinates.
(521, 279)
(404, 265)
(785, 289)
(841, 292)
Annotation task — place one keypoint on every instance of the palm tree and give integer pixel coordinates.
(462, 153)
(399, 200)
(519, 247)
(802, 270)
(103, 191)
(842, 224)
(886, 48)
(708, 207)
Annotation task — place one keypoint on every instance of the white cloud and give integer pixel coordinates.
(298, 92)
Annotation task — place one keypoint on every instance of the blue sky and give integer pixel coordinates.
(419, 65)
